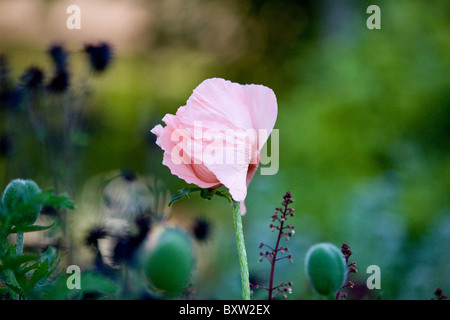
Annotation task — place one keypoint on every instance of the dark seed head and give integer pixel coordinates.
(33, 78)
(94, 235)
(5, 146)
(99, 56)
(201, 229)
(59, 83)
(128, 175)
(59, 57)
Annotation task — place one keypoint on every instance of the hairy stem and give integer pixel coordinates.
(19, 243)
(241, 250)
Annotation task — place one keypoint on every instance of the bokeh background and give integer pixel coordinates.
(364, 123)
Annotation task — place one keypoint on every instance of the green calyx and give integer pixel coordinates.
(325, 268)
(19, 201)
(168, 266)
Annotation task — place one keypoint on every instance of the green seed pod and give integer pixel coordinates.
(325, 268)
(17, 200)
(168, 265)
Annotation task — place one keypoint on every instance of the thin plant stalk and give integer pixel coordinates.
(273, 260)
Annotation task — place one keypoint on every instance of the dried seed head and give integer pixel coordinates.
(33, 78)
(100, 56)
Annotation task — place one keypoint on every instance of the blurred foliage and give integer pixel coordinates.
(29, 275)
(364, 120)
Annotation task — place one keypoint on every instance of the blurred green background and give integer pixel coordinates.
(364, 123)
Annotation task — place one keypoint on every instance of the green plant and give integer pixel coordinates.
(29, 275)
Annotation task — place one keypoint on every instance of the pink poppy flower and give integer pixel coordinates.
(216, 138)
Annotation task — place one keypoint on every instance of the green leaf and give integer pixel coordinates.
(207, 193)
(27, 268)
(40, 273)
(94, 282)
(14, 262)
(51, 254)
(48, 198)
(24, 213)
(16, 229)
(22, 281)
(225, 194)
(15, 289)
(183, 193)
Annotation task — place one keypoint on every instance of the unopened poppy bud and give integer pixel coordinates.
(18, 200)
(168, 266)
(325, 268)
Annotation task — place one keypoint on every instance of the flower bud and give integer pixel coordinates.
(168, 265)
(325, 268)
(17, 199)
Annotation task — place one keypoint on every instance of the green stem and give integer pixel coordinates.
(241, 250)
(19, 243)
